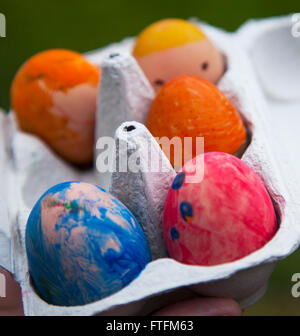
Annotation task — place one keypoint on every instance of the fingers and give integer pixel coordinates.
(11, 303)
(202, 307)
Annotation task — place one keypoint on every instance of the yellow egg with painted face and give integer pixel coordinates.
(175, 47)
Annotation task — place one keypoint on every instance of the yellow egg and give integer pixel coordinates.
(175, 47)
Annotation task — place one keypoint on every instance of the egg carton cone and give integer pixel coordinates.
(262, 81)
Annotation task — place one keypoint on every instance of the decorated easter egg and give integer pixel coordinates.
(54, 97)
(223, 217)
(82, 245)
(189, 106)
(174, 47)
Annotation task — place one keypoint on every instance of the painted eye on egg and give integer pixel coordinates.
(159, 82)
(204, 66)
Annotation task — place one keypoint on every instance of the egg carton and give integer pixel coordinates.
(262, 81)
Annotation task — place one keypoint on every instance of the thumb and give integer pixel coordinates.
(202, 307)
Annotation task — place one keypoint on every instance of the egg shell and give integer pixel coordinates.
(189, 106)
(28, 168)
(82, 245)
(225, 216)
(174, 47)
(54, 97)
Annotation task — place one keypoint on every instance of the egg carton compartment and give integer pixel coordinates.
(29, 167)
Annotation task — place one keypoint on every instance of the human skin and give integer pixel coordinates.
(202, 306)
(11, 305)
(199, 306)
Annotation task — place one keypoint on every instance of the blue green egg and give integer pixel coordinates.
(82, 245)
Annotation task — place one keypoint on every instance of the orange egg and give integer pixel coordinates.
(174, 47)
(54, 97)
(189, 106)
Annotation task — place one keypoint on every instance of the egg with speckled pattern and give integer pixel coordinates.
(189, 106)
(223, 217)
(82, 245)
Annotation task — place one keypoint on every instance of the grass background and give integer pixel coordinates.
(35, 25)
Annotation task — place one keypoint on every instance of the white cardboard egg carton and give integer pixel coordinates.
(262, 81)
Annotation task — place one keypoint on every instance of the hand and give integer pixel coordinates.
(202, 307)
(11, 304)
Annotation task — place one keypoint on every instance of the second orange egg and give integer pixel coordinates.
(189, 106)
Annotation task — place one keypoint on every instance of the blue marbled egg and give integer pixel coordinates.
(82, 245)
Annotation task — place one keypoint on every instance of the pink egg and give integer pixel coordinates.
(225, 217)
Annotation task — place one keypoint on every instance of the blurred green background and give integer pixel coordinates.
(33, 26)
